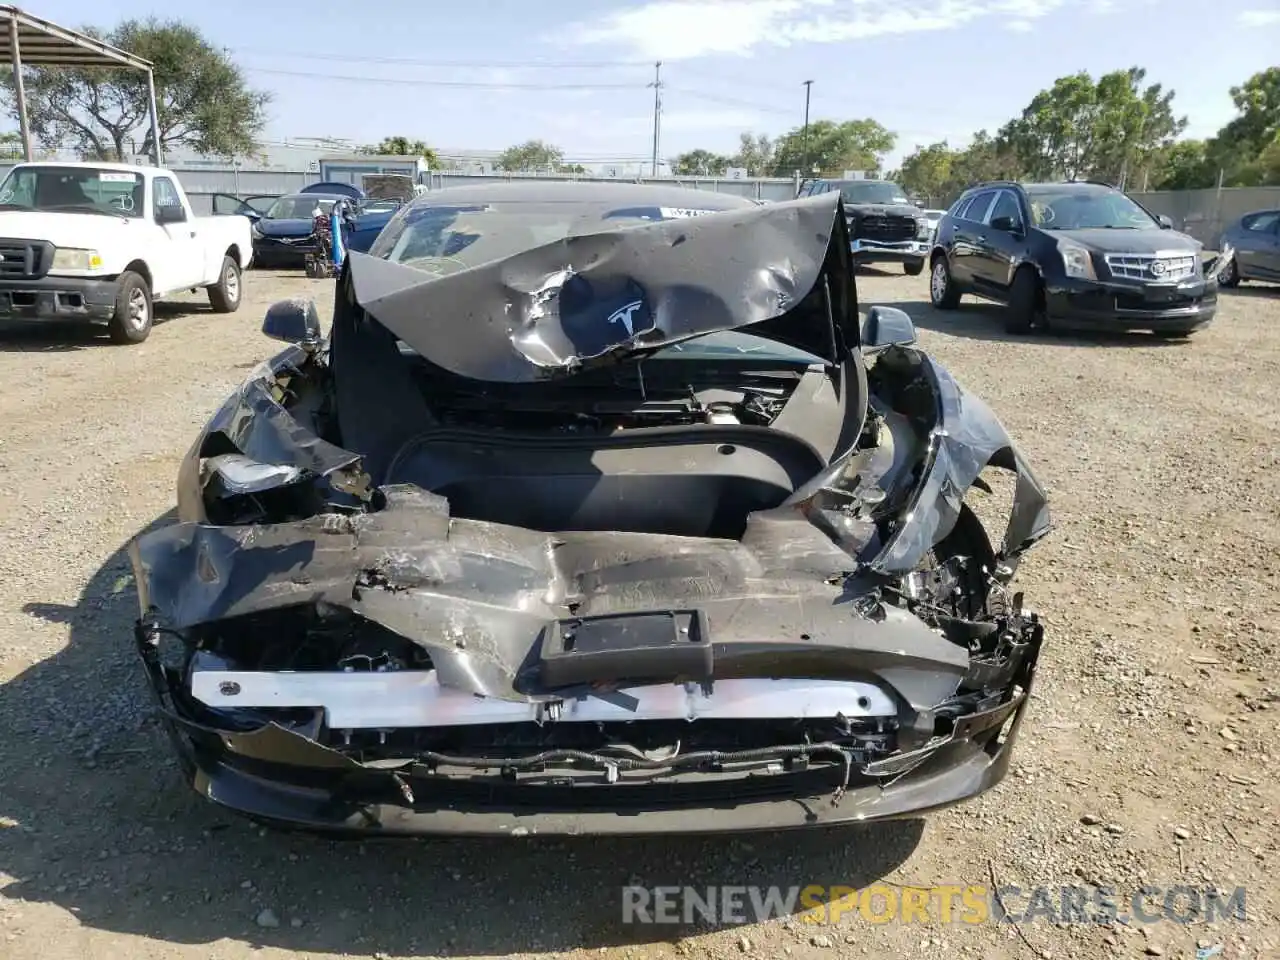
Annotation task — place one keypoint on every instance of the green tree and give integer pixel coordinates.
(531, 155)
(1262, 171)
(986, 158)
(926, 171)
(403, 147)
(699, 163)
(832, 147)
(203, 101)
(1257, 124)
(755, 154)
(1238, 147)
(11, 145)
(1103, 130)
(1183, 165)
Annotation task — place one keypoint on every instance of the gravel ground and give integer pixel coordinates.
(1150, 755)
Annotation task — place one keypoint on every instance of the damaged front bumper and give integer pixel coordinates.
(288, 778)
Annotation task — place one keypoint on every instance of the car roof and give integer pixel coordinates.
(1042, 185)
(93, 165)
(843, 180)
(585, 192)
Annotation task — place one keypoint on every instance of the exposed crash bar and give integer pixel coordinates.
(414, 698)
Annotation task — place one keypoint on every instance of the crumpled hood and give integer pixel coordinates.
(78, 230)
(284, 228)
(616, 292)
(1131, 241)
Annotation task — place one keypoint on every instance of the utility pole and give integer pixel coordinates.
(657, 111)
(808, 84)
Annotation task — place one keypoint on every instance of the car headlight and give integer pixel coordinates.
(254, 232)
(923, 228)
(1076, 260)
(70, 258)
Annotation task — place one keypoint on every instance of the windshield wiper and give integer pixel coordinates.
(15, 206)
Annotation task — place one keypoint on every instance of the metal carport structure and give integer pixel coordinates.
(38, 43)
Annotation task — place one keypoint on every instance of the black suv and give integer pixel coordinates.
(1075, 254)
(884, 226)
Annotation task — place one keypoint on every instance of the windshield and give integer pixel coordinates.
(299, 208)
(873, 191)
(73, 190)
(441, 240)
(1086, 207)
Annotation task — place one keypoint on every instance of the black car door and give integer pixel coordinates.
(969, 239)
(1003, 241)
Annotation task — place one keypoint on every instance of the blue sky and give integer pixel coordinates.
(927, 69)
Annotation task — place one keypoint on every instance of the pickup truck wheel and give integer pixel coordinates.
(131, 321)
(913, 269)
(224, 296)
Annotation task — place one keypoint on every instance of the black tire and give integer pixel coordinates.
(1025, 310)
(224, 296)
(913, 269)
(131, 322)
(942, 289)
(1229, 277)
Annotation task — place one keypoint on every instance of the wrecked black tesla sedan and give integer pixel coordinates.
(596, 511)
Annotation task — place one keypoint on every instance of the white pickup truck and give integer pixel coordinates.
(102, 241)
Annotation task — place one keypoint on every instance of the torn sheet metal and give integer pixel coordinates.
(478, 595)
(260, 428)
(966, 438)
(620, 290)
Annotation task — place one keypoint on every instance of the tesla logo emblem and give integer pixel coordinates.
(623, 315)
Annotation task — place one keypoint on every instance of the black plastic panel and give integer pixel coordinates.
(661, 645)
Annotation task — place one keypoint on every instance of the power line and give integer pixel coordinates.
(476, 84)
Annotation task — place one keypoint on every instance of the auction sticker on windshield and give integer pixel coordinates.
(676, 213)
(109, 176)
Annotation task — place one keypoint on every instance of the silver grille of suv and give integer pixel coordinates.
(1152, 267)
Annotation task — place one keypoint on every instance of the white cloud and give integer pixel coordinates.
(1259, 18)
(682, 29)
(678, 29)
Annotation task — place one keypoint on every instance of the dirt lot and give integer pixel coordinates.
(1151, 754)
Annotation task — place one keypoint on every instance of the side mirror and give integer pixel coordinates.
(887, 327)
(170, 213)
(293, 322)
(1006, 225)
(1166, 222)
